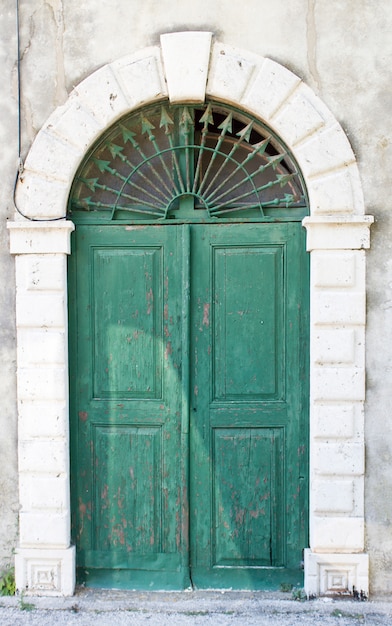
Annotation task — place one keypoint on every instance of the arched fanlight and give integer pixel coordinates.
(185, 161)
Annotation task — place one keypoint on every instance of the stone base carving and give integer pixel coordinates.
(45, 572)
(336, 574)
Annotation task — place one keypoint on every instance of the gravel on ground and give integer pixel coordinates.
(130, 608)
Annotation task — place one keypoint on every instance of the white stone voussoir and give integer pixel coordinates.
(141, 77)
(74, 124)
(38, 198)
(231, 72)
(268, 90)
(101, 94)
(301, 116)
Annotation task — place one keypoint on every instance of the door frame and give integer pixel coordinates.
(187, 67)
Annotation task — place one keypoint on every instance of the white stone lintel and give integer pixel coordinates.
(186, 59)
(330, 232)
(48, 237)
(45, 572)
(336, 574)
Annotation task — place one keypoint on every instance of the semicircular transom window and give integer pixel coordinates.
(188, 162)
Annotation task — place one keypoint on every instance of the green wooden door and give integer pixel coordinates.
(248, 429)
(188, 393)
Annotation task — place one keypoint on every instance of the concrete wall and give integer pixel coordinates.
(340, 49)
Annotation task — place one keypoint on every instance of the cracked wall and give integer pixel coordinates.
(341, 49)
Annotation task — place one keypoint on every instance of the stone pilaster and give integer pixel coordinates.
(45, 560)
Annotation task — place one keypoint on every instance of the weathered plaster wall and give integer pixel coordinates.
(8, 158)
(341, 49)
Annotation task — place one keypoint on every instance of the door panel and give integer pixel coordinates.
(247, 419)
(247, 290)
(127, 502)
(188, 395)
(246, 497)
(126, 402)
(126, 306)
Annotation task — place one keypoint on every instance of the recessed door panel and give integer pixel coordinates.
(247, 313)
(126, 322)
(247, 496)
(127, 496)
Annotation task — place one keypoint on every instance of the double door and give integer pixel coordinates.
(188, 370)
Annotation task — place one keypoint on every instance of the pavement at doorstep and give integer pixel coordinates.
(133, 608)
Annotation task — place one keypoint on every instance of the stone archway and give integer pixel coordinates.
(187, 67)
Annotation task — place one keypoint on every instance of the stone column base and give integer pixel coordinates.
(45, 572)
(336, 574)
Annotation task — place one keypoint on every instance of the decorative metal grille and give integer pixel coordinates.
(185, 161)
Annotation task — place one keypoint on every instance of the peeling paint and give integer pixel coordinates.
(206, 314)
(168, 350)
(150, 300)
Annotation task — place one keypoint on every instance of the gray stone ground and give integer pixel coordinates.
(130, 608)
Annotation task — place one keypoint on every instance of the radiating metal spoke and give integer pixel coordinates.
(168, 124)
(225, 127)
(207, 119)
(260, 149)
(279, 180)
(117, 151)
(187, 127)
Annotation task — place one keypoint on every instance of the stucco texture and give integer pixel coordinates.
(342, 50)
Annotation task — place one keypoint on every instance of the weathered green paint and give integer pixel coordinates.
(188, 404)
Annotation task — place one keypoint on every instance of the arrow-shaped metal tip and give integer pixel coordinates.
(166, 120)
(226, 125)
(275, 160)
(128, 135)
(207, 117)
(115, 150)
(91, 183)
(147, 126)
(102, 165)
(186, 118)
(245, 132)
